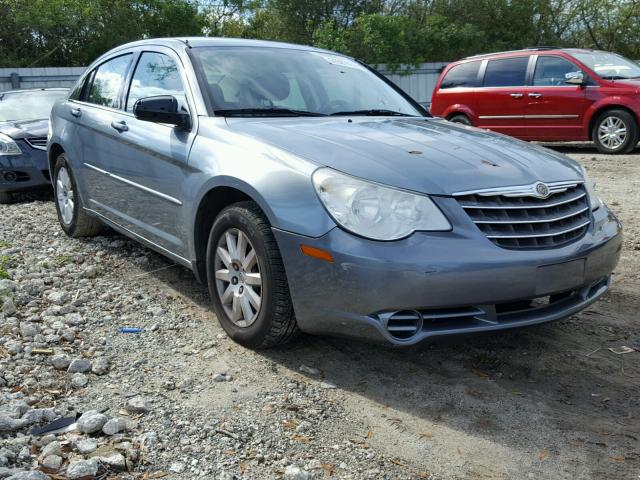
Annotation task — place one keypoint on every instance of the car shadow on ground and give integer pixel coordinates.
(541, 388)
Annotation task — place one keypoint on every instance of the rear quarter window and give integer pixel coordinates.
(506, 72)
(462, 75)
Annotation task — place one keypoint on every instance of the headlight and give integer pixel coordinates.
(8, 146)
(375, 211)
(591, 191)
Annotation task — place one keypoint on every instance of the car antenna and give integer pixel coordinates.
(186, 42)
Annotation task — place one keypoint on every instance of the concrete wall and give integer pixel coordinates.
(419, 83)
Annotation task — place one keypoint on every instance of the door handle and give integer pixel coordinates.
(516, 95)
(535, 95)
(76, 112)
(120, 126)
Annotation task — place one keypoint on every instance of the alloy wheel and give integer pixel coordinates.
(238, 278)
(612, 132)
(64, 196)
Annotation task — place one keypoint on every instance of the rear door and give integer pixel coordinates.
(96, 140)
(457, 91)
(501, 102)
(555, 110)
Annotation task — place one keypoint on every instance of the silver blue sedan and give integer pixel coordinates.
(311, 194)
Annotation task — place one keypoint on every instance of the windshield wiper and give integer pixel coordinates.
(614, 77)
(267, 112)
(374, 112)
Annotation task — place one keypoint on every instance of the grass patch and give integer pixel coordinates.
(4, 264)
(5, 244)
(63, 259)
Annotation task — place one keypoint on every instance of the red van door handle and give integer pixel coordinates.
(516, 95)
(535, 95)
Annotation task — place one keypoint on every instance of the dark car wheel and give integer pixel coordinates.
(246, 278)
(460, 118)
(615, 131)
(5, 198)
(73, 219)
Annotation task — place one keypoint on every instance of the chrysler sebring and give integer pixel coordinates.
(311, 194)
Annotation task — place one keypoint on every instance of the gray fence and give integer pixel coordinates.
(15, 78)
(418, 83)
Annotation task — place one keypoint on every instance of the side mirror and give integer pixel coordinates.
(162, 109)
(574, 78)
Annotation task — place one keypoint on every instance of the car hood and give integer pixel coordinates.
(24, 129)
(425, 155)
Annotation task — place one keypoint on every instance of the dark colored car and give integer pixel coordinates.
(546, 94)
(24, 122)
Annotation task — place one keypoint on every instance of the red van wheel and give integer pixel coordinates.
(615, 131)
(460, 118)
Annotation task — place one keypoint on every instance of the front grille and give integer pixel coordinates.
(39, 143)
(515, 218)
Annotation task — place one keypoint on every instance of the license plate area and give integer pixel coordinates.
(560, 276)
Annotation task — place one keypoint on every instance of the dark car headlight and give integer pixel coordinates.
(8, 146)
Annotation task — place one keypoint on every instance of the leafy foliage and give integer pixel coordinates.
(74, 32)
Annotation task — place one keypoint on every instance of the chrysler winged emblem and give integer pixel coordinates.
(542, 190)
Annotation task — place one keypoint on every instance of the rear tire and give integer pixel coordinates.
(5, 198)
(460, 118)
(615, 132)
(72, 217)
(247, 281)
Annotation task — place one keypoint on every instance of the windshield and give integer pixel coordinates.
(259, 81)
(32, 105)
(609, 66)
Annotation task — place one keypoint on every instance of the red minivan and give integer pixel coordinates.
(546, 94)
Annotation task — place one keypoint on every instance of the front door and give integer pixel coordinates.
(501, 100)
(150, 164)
(555, 109)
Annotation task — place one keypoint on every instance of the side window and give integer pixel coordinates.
(462, 75)
(107, 81)
(551, 71)
(76, 93)
(156, 74)
(507, 72)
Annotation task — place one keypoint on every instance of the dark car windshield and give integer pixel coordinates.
(31, 105)
(268, 81)
(609, 66)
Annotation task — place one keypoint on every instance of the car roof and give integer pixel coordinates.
(181, 42)
(530, 50)
(27, 90)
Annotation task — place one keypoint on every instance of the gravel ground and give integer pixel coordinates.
(181, 400)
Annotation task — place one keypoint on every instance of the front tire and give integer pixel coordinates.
(615, 132)
(246, 278)
(73, 219)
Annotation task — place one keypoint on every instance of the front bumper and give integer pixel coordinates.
(23, 172)
(455, 282)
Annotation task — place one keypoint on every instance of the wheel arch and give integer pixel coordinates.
(604, 108)
(211, 203)
(55, 150)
